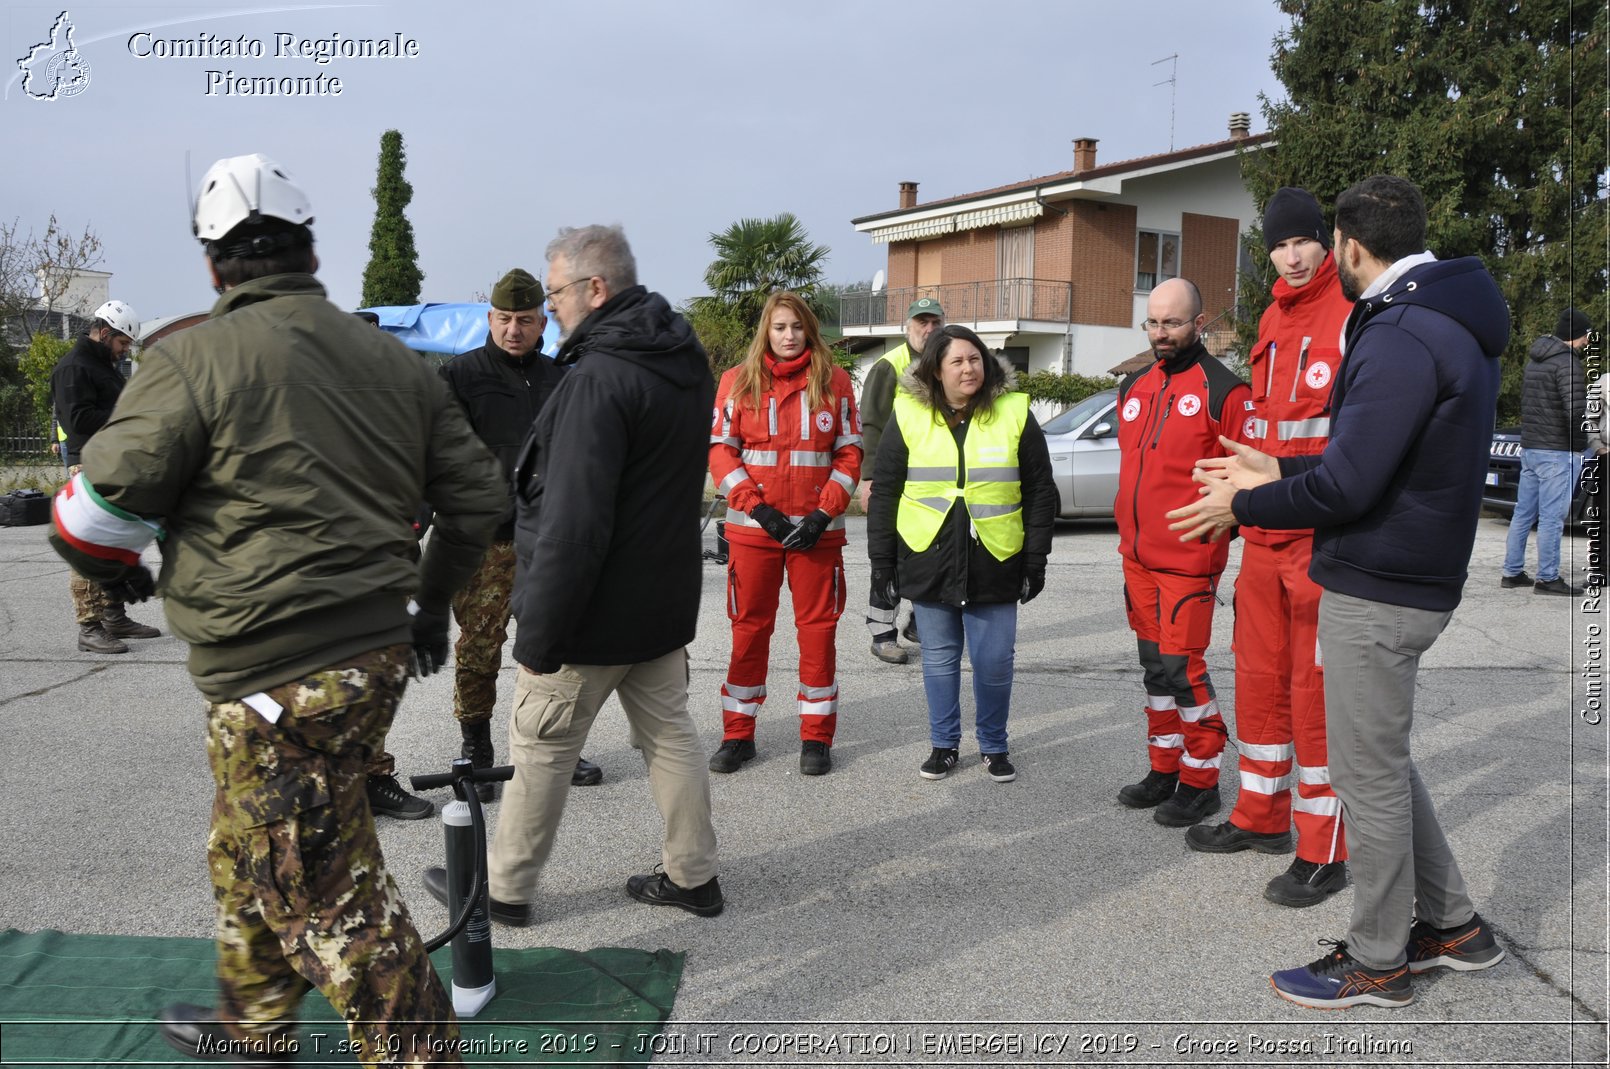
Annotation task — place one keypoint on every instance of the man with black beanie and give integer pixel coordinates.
(1554, 400)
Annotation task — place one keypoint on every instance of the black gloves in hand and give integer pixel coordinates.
(430, 641)
(807, 531)
(886, 584)
(135, 584)
(772, 522)
(1033, 582)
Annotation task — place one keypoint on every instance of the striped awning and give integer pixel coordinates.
(926, 228)
(999, 215)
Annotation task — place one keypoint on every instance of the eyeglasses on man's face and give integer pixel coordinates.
(1169, 325)
(573, 282)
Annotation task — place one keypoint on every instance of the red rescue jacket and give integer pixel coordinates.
(784, 454)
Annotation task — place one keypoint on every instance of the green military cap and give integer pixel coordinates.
(924, 306)
(517, 291)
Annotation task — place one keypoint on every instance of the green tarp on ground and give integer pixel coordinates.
(89, 1000)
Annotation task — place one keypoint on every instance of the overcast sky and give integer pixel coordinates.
(672, 118)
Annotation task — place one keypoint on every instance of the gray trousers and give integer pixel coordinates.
(1401, 864)
(552, 715)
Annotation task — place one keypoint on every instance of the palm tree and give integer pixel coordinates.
(756, 256)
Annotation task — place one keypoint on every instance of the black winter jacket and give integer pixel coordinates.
(957, 569)
(609, 487)
(501, 396)
(1553, 398)
(84, 388)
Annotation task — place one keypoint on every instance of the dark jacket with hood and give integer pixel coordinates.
(957, 569)
(1395, 495)
(84, 388)
(609, 489)
(1553, 398)
(502, 395)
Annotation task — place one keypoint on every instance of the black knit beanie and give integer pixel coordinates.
(1571, 325)
(1293, 213)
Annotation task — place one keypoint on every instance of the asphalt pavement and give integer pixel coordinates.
(878, 918)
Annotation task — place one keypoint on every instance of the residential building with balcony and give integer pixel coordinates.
(1053, 273)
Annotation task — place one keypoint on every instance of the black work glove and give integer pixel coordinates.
(135, 584)
(772, 522)
(807, 531)
(1033, 582)
(430, 641)
(887, 584)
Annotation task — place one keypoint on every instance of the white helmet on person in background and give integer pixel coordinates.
(120, 317)
(241, 189)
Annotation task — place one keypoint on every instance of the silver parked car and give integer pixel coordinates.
(1084, 455)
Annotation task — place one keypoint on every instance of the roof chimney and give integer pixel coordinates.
(1084, 153)
(1240, 125)
(908, 194)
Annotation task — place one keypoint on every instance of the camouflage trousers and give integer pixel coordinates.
(482, 609)
(90, 602)
(304, 899)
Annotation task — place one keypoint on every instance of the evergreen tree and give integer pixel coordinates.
(393, 275)
(1494, 108)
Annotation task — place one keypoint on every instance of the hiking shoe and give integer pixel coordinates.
(1509, 582)
(92, 638)
(1156, 787)
(1000, 767)
(197, 1032)
(477, 749)
(1227, 838)
(1556, 585)
(890, 652)
(1306, 883)
(1468, 947)
(587, 774)
(514, 914)
(732, 754)
(1337, 981)
(1189, 805)
(814, 758)
(115, 621)
(388, 799)
(939, 763)
(909, 632)
(657, 889)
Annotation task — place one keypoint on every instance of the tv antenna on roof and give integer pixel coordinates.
(1173, 85)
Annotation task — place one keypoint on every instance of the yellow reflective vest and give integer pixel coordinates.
(990, 486)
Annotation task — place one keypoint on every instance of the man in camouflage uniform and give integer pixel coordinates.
(501, 386)
(277, 452)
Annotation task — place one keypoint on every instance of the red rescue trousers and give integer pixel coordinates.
(1172, 617)
(1280, 702)
(816, 584)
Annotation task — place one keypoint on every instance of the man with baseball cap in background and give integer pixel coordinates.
(877, 403)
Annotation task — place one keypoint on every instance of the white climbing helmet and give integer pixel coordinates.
(243, 189)
(120, 317)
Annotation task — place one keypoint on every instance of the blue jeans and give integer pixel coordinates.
(991, 634)
(1548, 482)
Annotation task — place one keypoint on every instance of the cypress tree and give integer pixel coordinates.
(393, 275)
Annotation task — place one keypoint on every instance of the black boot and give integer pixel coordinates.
(92, 638)
(115, 622)
(478, 748)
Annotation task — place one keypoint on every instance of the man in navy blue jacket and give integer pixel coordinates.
(1394, 500)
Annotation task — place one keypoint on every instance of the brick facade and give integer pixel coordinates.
(1103, 238)
(1208, 258)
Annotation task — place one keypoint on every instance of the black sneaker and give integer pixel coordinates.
(197, 1032)
(731, 755)
(1306, 883)
(1000, 767)
(815, 758)
(1188, 806)
(388, 799)
(657, 889)
(586, 774)
(1337, 981)
(514, 914)
(1227, 838)
(1556, 586)
(1156, 787)
(1468, 947)
(939, 763)
(1510, 582)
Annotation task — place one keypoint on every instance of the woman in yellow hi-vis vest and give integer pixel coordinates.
(962, 510)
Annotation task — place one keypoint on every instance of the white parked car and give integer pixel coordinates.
(1084, 455)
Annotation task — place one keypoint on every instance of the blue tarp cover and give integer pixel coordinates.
(446, 328)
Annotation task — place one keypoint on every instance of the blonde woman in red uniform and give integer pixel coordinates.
(785, 450)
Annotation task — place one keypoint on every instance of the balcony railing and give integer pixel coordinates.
(963, 302)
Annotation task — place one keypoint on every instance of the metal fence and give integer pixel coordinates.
(963, 302)
(23, 437)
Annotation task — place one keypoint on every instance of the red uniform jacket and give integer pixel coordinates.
(1292, 367)
(1167, 421)
(784, 454)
